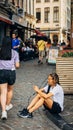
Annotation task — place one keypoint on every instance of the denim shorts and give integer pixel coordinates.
(7, 76)
(55, 108)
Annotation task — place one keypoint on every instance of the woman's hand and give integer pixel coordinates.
(36, 88)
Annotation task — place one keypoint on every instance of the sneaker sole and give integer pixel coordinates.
(4, 118)
(23, 116)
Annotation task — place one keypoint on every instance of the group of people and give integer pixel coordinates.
(51, 96)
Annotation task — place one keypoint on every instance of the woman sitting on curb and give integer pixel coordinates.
(51, 96)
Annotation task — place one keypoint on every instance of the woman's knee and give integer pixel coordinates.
(10, 88)
(48, 102)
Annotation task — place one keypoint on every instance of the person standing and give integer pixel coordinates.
(9, 60)
(48, 45)
(41, 48)
(15, 42)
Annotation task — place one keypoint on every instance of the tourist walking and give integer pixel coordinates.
(9, 60)
(41, 48)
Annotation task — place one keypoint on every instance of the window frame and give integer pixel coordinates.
(56, 14)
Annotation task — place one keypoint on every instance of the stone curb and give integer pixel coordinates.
(59, 121)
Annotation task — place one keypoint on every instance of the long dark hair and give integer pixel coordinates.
(5, 52)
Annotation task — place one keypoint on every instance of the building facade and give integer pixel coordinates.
(29, 16)
(16, 15)
(53, 17)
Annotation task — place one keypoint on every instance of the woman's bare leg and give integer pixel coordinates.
(3, 88)
(33, 102)
(48, 102)
(39, 103)
(9, 94)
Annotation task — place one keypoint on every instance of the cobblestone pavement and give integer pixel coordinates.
(29, 74)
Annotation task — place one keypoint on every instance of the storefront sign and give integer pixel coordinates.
(19, 20)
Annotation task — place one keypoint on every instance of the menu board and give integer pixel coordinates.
(53, 54)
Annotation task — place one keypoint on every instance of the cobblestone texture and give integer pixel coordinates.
(29, 74)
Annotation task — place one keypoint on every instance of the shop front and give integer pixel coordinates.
(5, 24)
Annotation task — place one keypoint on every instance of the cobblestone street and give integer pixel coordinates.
(29, 74)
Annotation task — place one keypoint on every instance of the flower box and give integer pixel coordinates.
(64, 68)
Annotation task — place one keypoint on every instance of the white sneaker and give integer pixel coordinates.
(4, 115)
(8, 107)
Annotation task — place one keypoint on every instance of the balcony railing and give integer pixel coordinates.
(12, 7)
(8, 6)
(2, 1)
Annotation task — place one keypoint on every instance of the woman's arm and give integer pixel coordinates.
(44, 95)
(17, 64)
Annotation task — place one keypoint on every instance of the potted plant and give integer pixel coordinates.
(64, 68)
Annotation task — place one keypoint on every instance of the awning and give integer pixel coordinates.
(37, 37)
(38, 32)
(6, 20)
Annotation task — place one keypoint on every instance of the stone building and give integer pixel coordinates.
(29, 16)
(16, 15)
(53, 17)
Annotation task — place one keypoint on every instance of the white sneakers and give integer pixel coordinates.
(4, 115)
(8, 107)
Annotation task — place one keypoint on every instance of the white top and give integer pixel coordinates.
(58, 94)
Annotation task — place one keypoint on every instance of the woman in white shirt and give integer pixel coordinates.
(51, 96)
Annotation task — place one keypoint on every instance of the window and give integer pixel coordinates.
(46, 0)
(56, 14)
(55, 0)
(38, 1)
(38, 15)
(46, 14)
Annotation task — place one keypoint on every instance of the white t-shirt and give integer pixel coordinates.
(58, 94)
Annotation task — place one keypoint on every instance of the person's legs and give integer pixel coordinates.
(38, 104)
(3, 88)
(9, 94)
(11, 80)
(41, 56)
(33, 102)
(48, 102)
